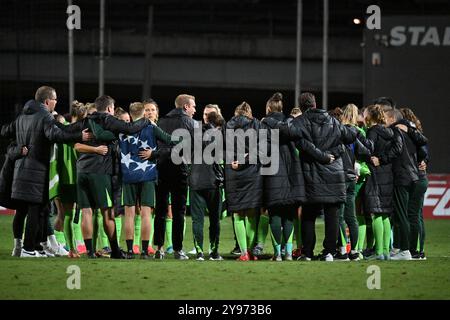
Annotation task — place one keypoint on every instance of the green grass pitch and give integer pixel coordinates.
(229, 279)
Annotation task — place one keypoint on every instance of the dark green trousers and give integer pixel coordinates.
(415, 209)
(405, 217)
(200, 201)
(347, 215)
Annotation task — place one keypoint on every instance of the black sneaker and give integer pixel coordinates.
(200, 256)
(258, 250)
(236, 251)
(215, 256)
(91, 256)
(422, 256)
(144, 256)
(354, 256)
(415, 255)
(340, 257)
(120, 254)
(368, 252)
(303, 258)
(323, 256)
(159, 254)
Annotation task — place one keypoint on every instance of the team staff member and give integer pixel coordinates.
(178, 118)
(205, 181)
(35, 128)
(323, 172)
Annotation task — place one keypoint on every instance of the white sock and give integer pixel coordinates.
(53, 243)
(343, 250)
(18, 243)
(353, 251)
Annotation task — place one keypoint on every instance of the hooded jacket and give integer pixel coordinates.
(287, 186)
(317, 135)
(244, 186)
(379, 185)
(14, 152)
(35, 128)
(205, 176)
(404, 165)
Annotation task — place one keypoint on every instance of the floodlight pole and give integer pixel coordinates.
(298, 61)
(71, 69)
(325, 56)
(147, 86)
(101, 62)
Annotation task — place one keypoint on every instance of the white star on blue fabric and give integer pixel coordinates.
(142, 166)
(144, 144)
(126, 159)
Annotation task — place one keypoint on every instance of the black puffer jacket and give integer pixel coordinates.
(175, 119)
(14, 152)
(287, 185)
(244, 186)
(317, 135)
(379, 185)
(207, 176)
(405, 165)
(35, 128)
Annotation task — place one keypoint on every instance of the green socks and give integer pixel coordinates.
(288, 234)
(275, 231)
(104, 240)
(382, 232)
(378, 232)
(263, 229)
(152, 228)
(387, 234)
(239, 227)
(369, 233)
(250, 228)
(60, 237)
(78, 235)
(118, 221)
(361, 232)
(137, 230)
(169, 232)
(68, 232)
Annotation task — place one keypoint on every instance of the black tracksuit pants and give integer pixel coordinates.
(36, 226)
(200, 200)
(309, 214)
(176, 184)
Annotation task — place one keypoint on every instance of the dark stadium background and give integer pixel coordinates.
(204, 48)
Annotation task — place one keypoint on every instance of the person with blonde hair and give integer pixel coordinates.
(138, 190)
(379, 187)
(359, 150)
(244, 184)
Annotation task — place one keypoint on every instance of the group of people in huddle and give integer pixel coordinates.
(363, 170)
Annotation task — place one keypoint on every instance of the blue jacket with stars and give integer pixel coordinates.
(134, 169)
